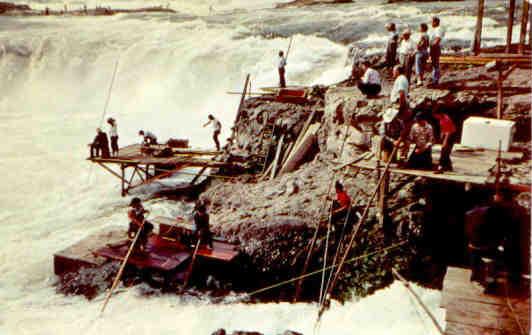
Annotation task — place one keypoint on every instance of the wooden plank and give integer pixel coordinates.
(454, 328)
(478, 29)
(524, 23)
(299, 150)
(277, 155)
(510, 25)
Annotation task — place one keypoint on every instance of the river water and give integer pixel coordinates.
(173, 70)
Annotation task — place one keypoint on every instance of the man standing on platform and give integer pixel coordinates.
(201, 221)
(138, 221)
(281, 67)
(113, 133)
(390, 132)
(217, 129)
(436, 35)
(448, 136)
(391, 46)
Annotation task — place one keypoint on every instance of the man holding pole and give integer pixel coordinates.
(138, 221)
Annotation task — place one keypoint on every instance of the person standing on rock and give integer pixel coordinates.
(407, 51)
(342, 204)
(370, 84)
(113, 134)
(217, 129)
(391, 46)
(422, 135)
(281, 65)
(448, 136)
(422, 53)
(399, 92)
(436, 35)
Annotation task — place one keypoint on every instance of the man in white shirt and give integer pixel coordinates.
(370, 85)
(436, 36)
(407, 51)
(217, 129)
(281, 67)
(399, 93)
(113, 134)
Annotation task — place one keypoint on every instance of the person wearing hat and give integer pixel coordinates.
(436, 36)
(148, 138)
(138, 221)
(113, 134)
(422, 53)
(422, 135)
(407, 51)
(390, 131)
(201, 222)
(391, 46)
(100, 145)
(370, 84)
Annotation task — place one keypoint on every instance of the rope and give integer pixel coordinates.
(310, 274)
(109, 92)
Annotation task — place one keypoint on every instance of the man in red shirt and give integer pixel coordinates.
(448, 137)
(342, 203)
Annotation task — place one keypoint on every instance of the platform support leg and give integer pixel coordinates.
(123, 182)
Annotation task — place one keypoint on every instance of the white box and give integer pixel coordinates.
(482, 132)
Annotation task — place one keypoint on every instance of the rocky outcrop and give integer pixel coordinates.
(8, 6)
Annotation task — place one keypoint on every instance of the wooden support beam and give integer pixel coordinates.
(478, 30)
(240, 105)
(110, 170)
(500, 80)
(524, 23)
(276, 159)
(510, 27)
(122, 169)
(198, 175)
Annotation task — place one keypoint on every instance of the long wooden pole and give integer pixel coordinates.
(289, 47)
(418, 299)
(240, 105)
(122, 267)
(524, 23)
(510, 27)
(357, 227)
(191, 266)
(500, 96)
(478, 30)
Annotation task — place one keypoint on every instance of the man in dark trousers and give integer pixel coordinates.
(100, 145)
(391, 46)
(217, 129)
(201, 221)
(148, 137)
(281, 67)
(113, 133)
(136, 221)
(436, 36)
(422, 135)
(448, 137)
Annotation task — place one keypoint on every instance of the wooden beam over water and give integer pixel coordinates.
(478, 30)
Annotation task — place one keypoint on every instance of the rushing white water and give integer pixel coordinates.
(173, 70)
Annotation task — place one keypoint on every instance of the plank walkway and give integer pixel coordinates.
(470, 166)
(471, 312)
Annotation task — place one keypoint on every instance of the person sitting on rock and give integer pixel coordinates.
(100, 145)
(138, 221)
(370, 84)
(201, 222)
(422, 135)
(148, 137)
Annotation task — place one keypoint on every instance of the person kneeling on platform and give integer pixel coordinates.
(148, 138)
(370, 84)
(100, 145)
(201, 221)
(137, 220)
(422, 135)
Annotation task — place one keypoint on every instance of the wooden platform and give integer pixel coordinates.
(470, 166)
(81, 253)
(147, 168)
(471, 312)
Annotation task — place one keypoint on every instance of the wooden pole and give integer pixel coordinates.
(510, 27)
(524, 23)
(277, 155)
(122, 169)
(500, 81)
(240, 105)
(190, 267)
(122, 267)
(478, 30)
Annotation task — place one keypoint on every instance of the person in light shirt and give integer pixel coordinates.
(407, 51)
(113, 134)
(422, 53)
(216, 128)
(399, 93)
(436, 36)
(281, 67)
(370, 84)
